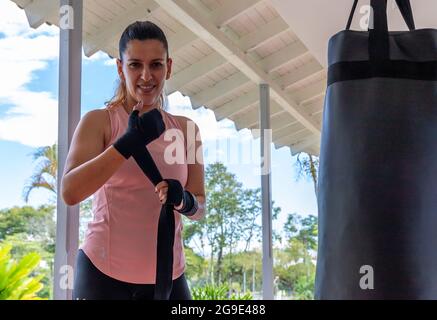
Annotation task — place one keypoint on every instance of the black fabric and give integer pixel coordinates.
(407, 13)
(355, 70)
(140, 132)
(351, 15)
(378, 36)
(175, 192)
(92, 284)
(190, 204)
(166, 225)
(377, 188)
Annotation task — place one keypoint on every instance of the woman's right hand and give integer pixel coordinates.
(141, 130)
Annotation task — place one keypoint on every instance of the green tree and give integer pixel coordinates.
(37, 224)
(196, 267)
(292, 268)
(232, 223)
(302, 228)
(244, 270)
(221, 222)
(28, 230)
(295, 263)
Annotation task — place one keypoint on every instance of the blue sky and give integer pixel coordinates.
(28, 116)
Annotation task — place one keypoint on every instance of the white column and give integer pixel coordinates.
(266, 192)
(70, 65)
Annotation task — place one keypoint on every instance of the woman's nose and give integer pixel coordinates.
(145, 74)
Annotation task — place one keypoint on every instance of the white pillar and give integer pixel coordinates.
(266, 192)
(70, 65)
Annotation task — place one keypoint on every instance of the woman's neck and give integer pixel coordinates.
(130, 105)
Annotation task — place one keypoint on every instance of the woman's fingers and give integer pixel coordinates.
(139, 106)
(162, 189)
(161, 185)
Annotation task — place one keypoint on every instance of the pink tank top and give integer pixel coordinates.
(121, 239)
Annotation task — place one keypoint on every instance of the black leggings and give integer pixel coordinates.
(91, 284)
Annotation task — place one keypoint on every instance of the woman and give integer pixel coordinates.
(119, 255)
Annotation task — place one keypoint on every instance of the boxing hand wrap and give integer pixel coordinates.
(141, 131)
(176, 194)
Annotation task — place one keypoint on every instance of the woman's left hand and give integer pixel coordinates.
(162, 189)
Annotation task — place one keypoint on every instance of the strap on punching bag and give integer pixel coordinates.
(404, 7)
(378, 36)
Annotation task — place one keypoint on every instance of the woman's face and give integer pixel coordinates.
(144, 69)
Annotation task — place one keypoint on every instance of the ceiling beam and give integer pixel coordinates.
(258, 37)
(180, 39)
(300, 74)
(251, 119)
(278, 59)
(313, 108)
(202, 26)
(310, 92)
(281, 125)
(206, 64)
(296, 136)
(232, 10)
(304, 144)
(236, 105)
(220, 89)
(285, 131)
(113, 29)
(281, 120)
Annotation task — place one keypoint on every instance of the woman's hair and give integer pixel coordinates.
(139, 30)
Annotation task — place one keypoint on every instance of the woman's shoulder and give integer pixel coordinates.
(99, 120)
(97, 117)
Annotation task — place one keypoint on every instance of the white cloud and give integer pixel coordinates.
(14, 22)
(110, 62)
(99, 56)
(210, 129)
(31, 118)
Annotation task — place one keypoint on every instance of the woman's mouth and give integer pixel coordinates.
(146, 89)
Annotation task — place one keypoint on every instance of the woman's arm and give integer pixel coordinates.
(196, 175)
(88, 165)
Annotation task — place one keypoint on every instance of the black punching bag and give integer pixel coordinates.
(378, 164)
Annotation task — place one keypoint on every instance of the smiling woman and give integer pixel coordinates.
(143, 67)
(121, 257)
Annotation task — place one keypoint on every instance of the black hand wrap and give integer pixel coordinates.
(140, 132)
(176, 194)
(166, 224)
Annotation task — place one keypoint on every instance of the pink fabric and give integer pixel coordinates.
(121, 239)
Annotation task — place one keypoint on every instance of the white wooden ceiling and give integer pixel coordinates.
(222, 50)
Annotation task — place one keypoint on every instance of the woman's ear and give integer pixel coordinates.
(169, 65)
(120, 69)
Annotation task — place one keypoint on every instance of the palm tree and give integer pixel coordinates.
(308, 167)
(46, 171)
(45, 176)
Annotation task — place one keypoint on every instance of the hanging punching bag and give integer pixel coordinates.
(378, 164)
